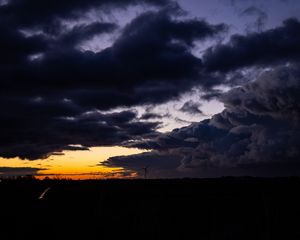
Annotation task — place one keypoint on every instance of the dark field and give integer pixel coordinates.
(225, 208)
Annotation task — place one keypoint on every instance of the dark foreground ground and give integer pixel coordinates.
(225, 208)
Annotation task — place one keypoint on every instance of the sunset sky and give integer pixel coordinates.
(187, 88)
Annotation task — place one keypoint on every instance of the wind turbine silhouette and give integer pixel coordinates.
(145, 171)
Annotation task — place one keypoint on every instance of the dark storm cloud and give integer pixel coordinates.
(211, 94)
(276, 45)
(35, 12)
(33, 138)
(147, 116)
(46, 16)
(18, 171)
(82, 32)
(276, 95)
(14, 47)
(146, 56)
(191, 108)
(51, 90)
(143, 62)
(158, 164)
(258, 133)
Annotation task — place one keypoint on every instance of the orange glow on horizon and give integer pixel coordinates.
(77, 165)
(87, 176)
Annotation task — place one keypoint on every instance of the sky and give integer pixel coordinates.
(186, 88)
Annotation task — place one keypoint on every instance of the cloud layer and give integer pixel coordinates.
(257, 134)
(272, 46)
(18, 171)
(55, 95)
(52, 91)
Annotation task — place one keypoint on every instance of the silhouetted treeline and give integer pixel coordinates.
(224, 208)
